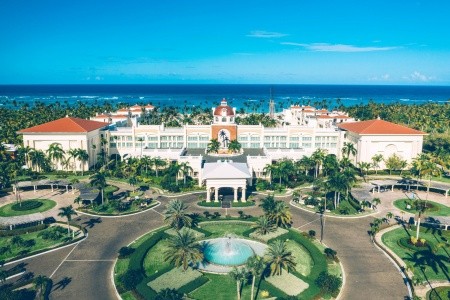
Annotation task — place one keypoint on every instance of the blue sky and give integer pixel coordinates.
(329, 42)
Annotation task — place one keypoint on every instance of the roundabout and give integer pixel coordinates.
(26, 207)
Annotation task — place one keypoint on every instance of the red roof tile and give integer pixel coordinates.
(379, 127)
(67, 124)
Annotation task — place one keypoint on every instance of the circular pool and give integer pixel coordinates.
(227, 251)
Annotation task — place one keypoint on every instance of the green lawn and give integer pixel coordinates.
(8, 250)
(220, 287)
(8, 211)
(439, 293)
(434, 208)
(302, 258)
(154, 260)
(431, 262)
(220, 229)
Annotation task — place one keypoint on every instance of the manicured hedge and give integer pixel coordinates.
(195, 284)
(27, 205)
(20, 231)
(137, 259)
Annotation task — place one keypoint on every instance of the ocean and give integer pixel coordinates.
(248, 96)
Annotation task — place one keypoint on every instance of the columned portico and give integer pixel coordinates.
(226, 175)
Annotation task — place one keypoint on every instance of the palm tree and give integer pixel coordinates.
(132, 180)
(3, 276)
(176, 215)
(55, 153)
(270, 169)
(376, 201)
(281, 215)
(185, 169)
(255, 266)
(234, 146)
(73, 154)
(182, 249)
(40, 283)
(158, 163)
(364, 167)
(99, 180)
(83, 157)
(337, 183)
(238, 274)
(213, 146)
(264, 225)
(38, 160)
(318, 156)
(279, 258)
(67, 212)
(348, 149)
(376, 159)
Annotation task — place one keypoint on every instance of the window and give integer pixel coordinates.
(192, 138)
(129, 138)
(224, 119)
(254, 138)
(112, 145)
(204, 138)
(306, 138)
(164, 138)
(152, 138)
(294, 145)
(254, 145)
(294, 138)
(243, 138)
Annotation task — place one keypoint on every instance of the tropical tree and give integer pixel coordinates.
(185, 170)
(169, 294)
(255, 266)
(264, 225)
(40, 282)
(238, 274)
(175, 215)
(158, 163)
(234, 146)
(376, 160)
(348, 149)
(182, 249)
(132, 180)
(279, 258)
(270, 170)
(55, 153)
(213, 146)
(338, 184)
(376, 202)
(73, 154)
(318, 156)
(67, 212)
(394, 162)
(99, 180)
(268, 204)
(3, 276)
(38, 160)
(281, 215)
(83, 157)
(364, 167)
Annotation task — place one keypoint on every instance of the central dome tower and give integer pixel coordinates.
(224, 114)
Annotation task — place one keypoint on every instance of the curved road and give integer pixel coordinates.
(83, 271)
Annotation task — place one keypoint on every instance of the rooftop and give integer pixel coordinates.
(67, 124)
(379, 127)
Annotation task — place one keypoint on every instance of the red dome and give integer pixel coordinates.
(223, 109)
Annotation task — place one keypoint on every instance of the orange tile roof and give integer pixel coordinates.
(67, 124)
(379, 127)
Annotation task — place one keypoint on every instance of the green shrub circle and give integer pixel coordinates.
(27, 205)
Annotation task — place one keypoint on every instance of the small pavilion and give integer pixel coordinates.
(226, 174)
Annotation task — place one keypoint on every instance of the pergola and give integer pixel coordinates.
(436, 221)
(44, 182)
(225, 174)
(11, 222)
(87, 192)
(379, 184)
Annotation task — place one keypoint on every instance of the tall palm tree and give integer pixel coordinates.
(318, 156)
(238, 274)
(376, 159)
(281, 215)
(83, 157)
(73, 154)
(67, 212)
(176, 215)
(348, 149)
(337, 183)
(255, 266)
(185, 169)
(213, 146)
(182, 249)
(234, 146)
(55, 153)
(279, 258)
(264, 225)
(158, 163)
(270, 169)
(38, 160)
(40, 283)
(99, 180)
(364, 167)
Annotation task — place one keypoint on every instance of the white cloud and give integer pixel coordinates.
(384, 77)
(325, 47)
(417, 76)
(265, 34)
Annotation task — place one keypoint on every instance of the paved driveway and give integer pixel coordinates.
(83, 271)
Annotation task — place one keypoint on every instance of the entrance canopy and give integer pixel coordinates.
(223, 174)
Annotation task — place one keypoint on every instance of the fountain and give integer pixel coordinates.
(227, 251)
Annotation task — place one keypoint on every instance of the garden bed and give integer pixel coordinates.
(28, 207)
(433, 208)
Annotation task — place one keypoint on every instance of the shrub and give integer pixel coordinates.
(413, 240)
(328, 283)
(311, 201)
(125, 252)
(169, 294)
(264, 294)
(131, 279)
(312, 233)
(27, 205)
(330, 253)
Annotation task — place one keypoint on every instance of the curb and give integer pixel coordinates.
(332, 216)
(119, 216)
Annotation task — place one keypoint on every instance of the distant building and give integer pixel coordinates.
(304, 129)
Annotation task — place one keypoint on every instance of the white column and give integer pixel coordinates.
(216, 194)
(208, 194)
(235, 194)
(243, 195)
